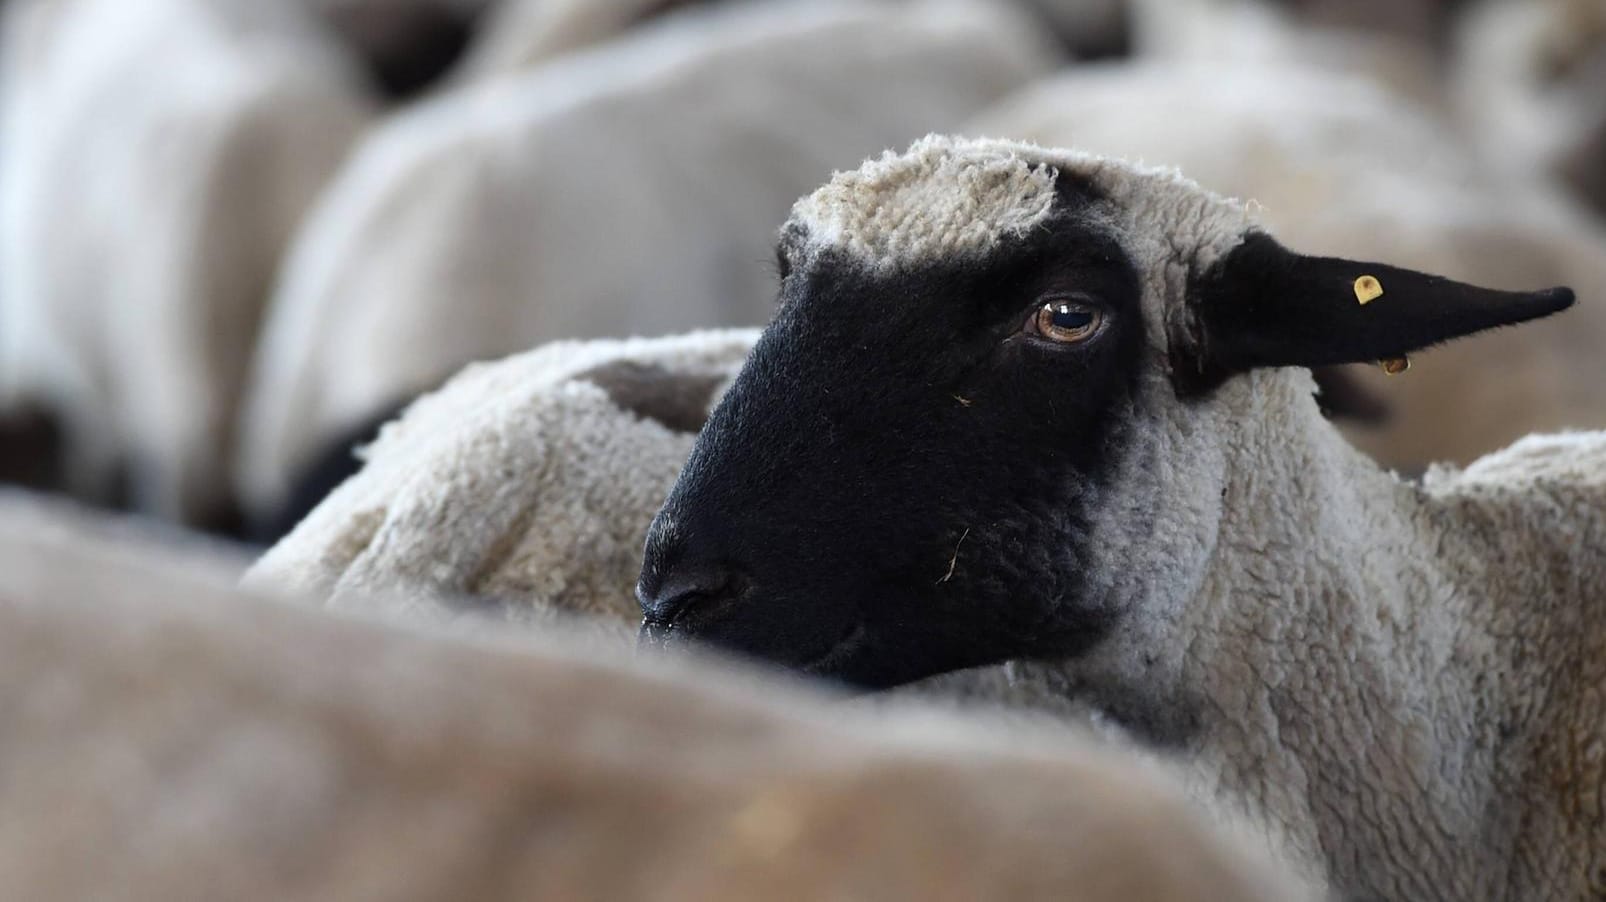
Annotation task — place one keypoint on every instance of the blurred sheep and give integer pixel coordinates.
(1338, 162)
(1226, 34)
(1530, 82)
(633, 188)
(158, 156)
(169, 738)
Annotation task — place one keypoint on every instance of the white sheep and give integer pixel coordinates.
(1334, 161)
(157, 157)
(1034, 405)
(630, 189)
(521, 33)
(1225, 34)
(526, 484)
(168, 738)
(518, 34)
(1529, 82)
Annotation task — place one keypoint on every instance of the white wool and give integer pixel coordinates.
(1335, 165)
(1527, 84)
(168, 737)
(629, 189)
(157, 157)
(519, 34)
(1222, 35)
(522, 483)
(924, 205)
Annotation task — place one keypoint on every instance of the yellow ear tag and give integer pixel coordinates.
(1395, 365)
(1368, 289)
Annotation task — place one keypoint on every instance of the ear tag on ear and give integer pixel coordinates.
(1368, 289)
(1394, 365)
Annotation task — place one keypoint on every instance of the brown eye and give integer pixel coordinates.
(1067, 322)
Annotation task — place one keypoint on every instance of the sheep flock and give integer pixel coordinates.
(803, 449)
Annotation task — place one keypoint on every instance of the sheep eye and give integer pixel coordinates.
(1066, 321)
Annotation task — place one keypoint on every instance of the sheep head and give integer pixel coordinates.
(983, 423)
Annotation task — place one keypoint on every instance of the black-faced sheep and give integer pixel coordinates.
(168, 738)
(1032, 405)
(626, 189)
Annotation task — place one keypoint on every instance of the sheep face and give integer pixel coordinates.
(986, 422)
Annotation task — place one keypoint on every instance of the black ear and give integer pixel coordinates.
(1264, 305)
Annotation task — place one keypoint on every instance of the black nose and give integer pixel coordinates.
(684, 591)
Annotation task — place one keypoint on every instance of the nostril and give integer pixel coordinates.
(683, 590)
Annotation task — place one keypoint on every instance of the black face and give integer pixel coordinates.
(898, 483)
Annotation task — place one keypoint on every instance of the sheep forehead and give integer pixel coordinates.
(949, 198)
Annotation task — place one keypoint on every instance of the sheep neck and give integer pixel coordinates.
(1359, 679)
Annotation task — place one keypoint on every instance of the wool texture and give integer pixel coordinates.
(522, 487)
(145, 213)
(169, 737)
(632, 188)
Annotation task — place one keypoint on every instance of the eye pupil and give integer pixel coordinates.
(1067, 322)
(1068, 317)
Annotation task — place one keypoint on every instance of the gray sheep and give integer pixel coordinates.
(170, 738)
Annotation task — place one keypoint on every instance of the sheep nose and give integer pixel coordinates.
(686, 590)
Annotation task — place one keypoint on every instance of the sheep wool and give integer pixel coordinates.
(171, 738)
(632, 188)
(926, 205)
(145, 210)
(522, 487)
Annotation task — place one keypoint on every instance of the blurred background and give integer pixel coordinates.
(236, 236)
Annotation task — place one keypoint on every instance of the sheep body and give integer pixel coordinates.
(171, 738)
(1527, 83)
(144, 213)
(526, 484)
(632, 188)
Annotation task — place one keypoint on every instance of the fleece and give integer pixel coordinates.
(144, 214)
(1526, 82)
(169, 737)
(1335, 162)
(522, 487)
(1405, 679)
(631, 189)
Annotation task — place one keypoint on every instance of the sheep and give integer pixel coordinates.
(434, 529)
(525, 485)
(620, 190)
(1527, 80)
(1036, 406)
(522, 33)
(143, 214)
(1337, 162)
(168, 737)
(1230, 33)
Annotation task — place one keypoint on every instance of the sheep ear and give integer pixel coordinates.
(1264, 305)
